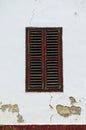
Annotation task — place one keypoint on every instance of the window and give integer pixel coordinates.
(44, 59)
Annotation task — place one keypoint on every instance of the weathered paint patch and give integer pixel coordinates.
(75, 110)
(20, 118)
(14, 109)
(72, 100)
(63, 110)
(66, 111)
(10, 108)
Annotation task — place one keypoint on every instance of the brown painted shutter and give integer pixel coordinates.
(34, 59)
(44, 59)
(53, 59)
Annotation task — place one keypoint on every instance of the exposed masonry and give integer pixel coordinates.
(14, 109)
(67, 111)
(72, 100)
(62, 110)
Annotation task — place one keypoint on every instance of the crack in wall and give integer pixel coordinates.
(51, 107)
(33, 12)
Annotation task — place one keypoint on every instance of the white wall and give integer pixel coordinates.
(15, 15)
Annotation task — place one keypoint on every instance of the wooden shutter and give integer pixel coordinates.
(44, 59)
(53, 59)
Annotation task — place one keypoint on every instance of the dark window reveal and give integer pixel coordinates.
(44, 59)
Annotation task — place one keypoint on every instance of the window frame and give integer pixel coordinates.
(60, 51)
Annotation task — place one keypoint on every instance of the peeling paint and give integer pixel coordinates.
(63, 110)
(72, 100)
(75, 110)
(14, 109)
(11, 108)
(20, 118)
(66, 111)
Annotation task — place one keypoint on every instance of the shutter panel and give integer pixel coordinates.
(34, 81)
(53, 59)
(44, 59)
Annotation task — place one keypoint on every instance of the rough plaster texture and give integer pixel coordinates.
(14, 17)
